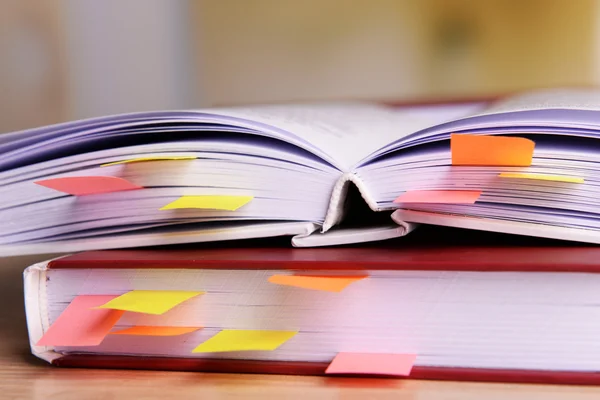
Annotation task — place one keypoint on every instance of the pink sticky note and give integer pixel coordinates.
(372, 364)
(82, 185)
(439, 196)
(80, 324)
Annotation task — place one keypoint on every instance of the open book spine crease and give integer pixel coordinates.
(337, 204)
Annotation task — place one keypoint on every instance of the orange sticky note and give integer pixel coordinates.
(155, 331)
(499, 151)
(542, 177)
(325, 283)
(80, 324)
(439, 196)
(372, 364)
(84, 185)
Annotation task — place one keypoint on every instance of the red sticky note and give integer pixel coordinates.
(372, 364)
(83, 185)
(498, 151)
(80, 324)
(439, 196)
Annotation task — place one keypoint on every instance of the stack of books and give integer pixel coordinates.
(440, 241)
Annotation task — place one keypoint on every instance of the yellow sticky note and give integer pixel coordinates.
(149, 301)
(324, 283)
(244, 340)
(229, 203)
(146, 159)
(542, 177)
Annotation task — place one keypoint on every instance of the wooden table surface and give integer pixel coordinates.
(23, 376)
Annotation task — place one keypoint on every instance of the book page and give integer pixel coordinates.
(348, 132)
(567, 99)
(564, 112)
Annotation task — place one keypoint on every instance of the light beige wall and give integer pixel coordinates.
(509, 44)
(57, 63)
(274, 50)
(127, 56)
(278, 50)
(32, 68)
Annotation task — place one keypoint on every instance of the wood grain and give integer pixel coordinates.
(22, 376)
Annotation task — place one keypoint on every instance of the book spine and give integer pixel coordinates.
(36, 310)
(337, 204)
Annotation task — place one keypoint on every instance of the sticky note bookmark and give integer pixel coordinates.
(325, 283)
(85, 185)
(149, 301)
(372, 364)
(542, 177)
(148, 159)
(499, 151)
(155, 331)
(80, 324)
(244, 340)
(229, 203)
(439, 196)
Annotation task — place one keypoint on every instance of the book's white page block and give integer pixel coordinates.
(497, 225)
(503, 320)
(166, 237)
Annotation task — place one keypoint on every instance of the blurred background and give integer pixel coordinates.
(69, 59)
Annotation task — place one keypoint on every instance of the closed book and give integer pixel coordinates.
(492, 312)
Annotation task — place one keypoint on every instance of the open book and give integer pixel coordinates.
(220, 174)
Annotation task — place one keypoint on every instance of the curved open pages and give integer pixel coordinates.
(288, 165)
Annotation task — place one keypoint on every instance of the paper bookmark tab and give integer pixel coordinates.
(229, 203)
(325, 283)
(155, 331)
(439, 196)
(542, 177)
(149, 301)
(80, 324)
(372, 364)
(244, 340)
(85, 185)
(499, 151)
(148, 159)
